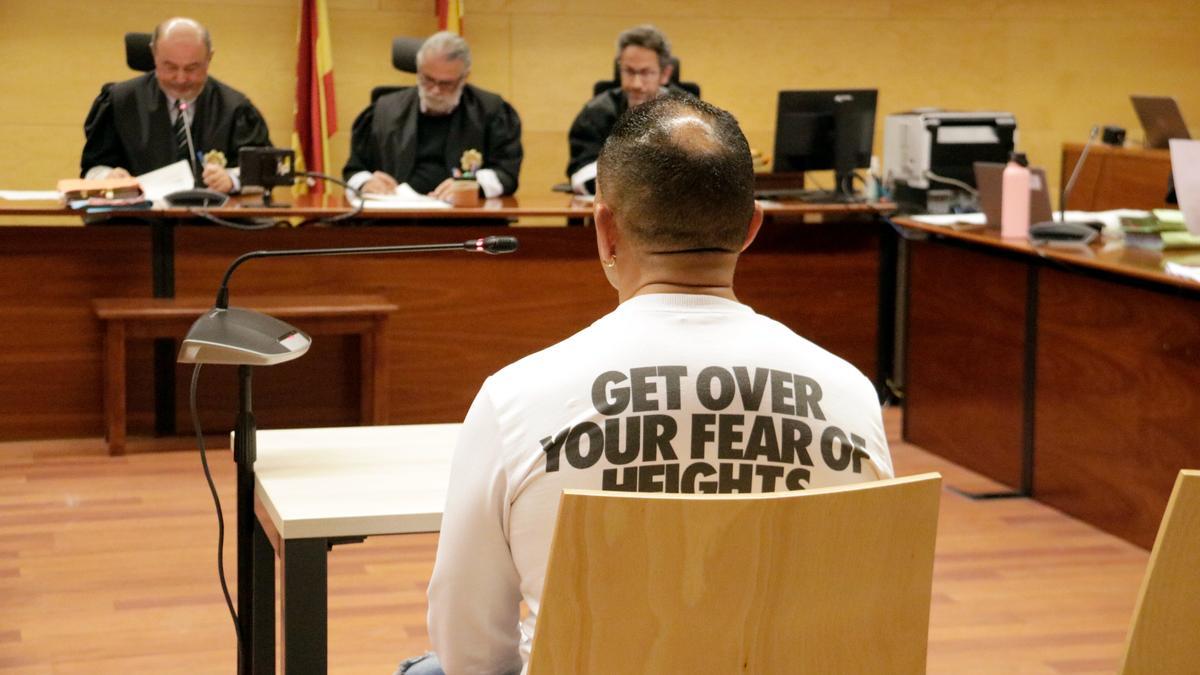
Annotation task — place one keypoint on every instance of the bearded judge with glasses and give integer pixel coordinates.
(418, 135)
(644, 65)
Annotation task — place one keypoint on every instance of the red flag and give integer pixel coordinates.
(450, 15)
(316, 114)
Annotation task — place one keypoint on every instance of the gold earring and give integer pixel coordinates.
(611, 262)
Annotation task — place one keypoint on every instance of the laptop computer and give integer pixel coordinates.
(1160, 118)
(989, 179)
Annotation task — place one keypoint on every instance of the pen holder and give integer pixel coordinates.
(464, 192)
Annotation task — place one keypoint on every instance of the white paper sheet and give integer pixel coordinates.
(1185, 164)
(1184, 271)
(30, 195)
(158, 183)
(403, 197)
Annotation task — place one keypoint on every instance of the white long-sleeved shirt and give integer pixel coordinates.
(668, 393)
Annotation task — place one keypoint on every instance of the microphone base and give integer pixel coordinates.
(1074, 232)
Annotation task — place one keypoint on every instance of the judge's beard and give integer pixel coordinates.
(438, 104)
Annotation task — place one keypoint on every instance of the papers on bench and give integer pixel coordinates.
(30, 195)
(404, 197)
(966, 221)
(161, 182)
(1186, 268)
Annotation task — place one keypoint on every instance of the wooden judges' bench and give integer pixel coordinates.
(1117, 177)
(126, 319)
(825, 270)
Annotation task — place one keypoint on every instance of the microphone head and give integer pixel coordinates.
(493, 245)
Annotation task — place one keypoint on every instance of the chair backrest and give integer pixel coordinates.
(404, 59)
(604, 85)
(404, 53)
(1165, 637)
(833, 580)
(137, 52)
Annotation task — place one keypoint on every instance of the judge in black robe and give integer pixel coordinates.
(591, 128)
(644, 71)
(129, 126)
(385, 138)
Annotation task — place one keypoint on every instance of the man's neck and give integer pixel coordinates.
(690, 273)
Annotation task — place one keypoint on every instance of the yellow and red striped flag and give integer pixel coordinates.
(316, 114)
(450, 15)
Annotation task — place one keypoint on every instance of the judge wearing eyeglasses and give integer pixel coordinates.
(644, 65)
(418, 135)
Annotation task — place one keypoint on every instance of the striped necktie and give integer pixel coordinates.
(181, 144)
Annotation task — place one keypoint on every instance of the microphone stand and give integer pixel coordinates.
(1066, 190)
(187, 132)
(245, 338)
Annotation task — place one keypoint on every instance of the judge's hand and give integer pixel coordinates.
(379, 183)
(217, 178)
(443, 190)
(118, 172)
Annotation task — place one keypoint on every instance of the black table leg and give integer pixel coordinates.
(262, 637)
(162, 260)
(304, 606)
(885, 344)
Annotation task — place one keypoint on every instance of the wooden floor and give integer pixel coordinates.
(107, 565)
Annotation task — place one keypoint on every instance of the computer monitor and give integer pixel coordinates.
(826, 129)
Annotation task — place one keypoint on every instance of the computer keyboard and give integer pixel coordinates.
(806, 196)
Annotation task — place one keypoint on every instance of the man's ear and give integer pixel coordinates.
(667, 71)
(607, 235)
(756, 220)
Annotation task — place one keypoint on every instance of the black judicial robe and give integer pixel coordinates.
(384, 135)
(129, 125)
(595, 122)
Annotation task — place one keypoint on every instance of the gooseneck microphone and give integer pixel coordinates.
(238, 336)
(1077, 232)
(492, 245)
(244, 338)
(1066, 191)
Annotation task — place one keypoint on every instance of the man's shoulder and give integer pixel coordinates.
(395, 99)
(608, 102)
(131, 86)
(227, 93)
(488, 100)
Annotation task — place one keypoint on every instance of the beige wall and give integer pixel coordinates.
(1059, 65)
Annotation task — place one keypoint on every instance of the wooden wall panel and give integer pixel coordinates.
(1059, 67)
(965, 358)
(1117, 178)
(1117, 381)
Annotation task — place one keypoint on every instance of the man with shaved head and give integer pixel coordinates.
(681, 389)
(137, 125)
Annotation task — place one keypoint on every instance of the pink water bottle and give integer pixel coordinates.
(1014, 199)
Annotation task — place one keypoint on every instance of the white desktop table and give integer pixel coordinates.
(318, 487)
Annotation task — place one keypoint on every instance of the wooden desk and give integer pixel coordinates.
(1070, 376)
(317, 487)
(1116, 178)
(824, 270)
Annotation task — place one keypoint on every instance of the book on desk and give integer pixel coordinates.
(1159, 230)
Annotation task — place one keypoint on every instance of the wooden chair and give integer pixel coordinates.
(1165, 637)
(832, 580)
